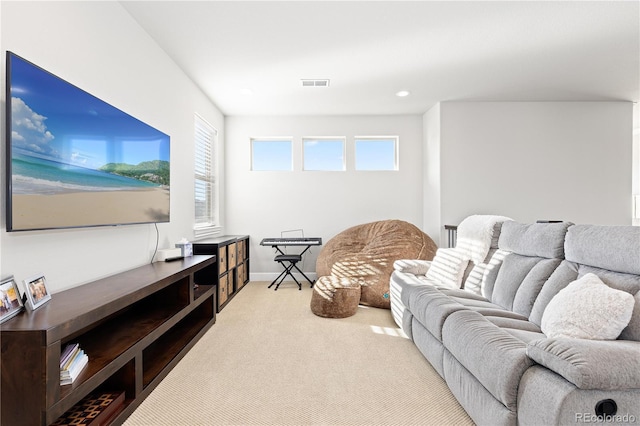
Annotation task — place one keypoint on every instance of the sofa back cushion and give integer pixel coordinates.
(474, 277)
(565, 273)
(614, 248)
(520, 280)
(610, 252)
(544, 240)
(529, 254)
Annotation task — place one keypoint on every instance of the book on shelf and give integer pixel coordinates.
(96, 409)
(72, 362)
(68, 376)
(67, 352)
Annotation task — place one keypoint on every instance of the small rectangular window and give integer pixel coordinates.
(324, 154)
(271, 154)
(377, 153)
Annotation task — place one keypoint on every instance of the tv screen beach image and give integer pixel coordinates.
(78, 161)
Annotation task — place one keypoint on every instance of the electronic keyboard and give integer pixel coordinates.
(304, 241)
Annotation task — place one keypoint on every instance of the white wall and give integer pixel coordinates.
(262, 204)
(536, 160)
(431, 174)
(98, 47)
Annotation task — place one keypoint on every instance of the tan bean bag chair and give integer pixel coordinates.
(366, 253)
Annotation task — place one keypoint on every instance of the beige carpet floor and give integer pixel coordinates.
(269, 360)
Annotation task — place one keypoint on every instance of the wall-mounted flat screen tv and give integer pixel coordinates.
(76, 161)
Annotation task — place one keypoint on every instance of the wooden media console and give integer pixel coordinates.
(134, 326)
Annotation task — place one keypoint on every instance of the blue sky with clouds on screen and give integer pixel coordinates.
(56, 120)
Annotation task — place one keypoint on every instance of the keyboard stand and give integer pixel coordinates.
(292, 264)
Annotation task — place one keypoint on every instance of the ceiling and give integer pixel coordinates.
(436, 50)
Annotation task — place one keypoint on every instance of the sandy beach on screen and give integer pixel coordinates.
(90, 208)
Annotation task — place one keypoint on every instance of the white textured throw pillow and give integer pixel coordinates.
(448, 266)
(587, 309)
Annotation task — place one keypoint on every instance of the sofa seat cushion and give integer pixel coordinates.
(514, 323)
(526, 336)
(519, 328)
(431, 308)
(406, 284)
(492, 355)
(478, 303)
(461, 293)
(487, 308)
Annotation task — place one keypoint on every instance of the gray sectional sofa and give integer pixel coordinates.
(487, 340)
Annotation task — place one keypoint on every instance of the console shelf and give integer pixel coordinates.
(232, 266)
(134, 326)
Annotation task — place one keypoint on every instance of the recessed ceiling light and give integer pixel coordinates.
(402, 93)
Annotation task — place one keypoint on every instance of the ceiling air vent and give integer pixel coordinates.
(315, 83)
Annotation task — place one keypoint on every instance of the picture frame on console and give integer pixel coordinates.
(37, 292)
(10, 300)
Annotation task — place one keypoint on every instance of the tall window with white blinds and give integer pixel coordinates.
(206, 179)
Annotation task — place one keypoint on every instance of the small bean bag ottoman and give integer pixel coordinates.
(365, 254)
(335, 297)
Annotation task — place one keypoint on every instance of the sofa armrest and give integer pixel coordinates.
(412, 266)
(590, 364)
